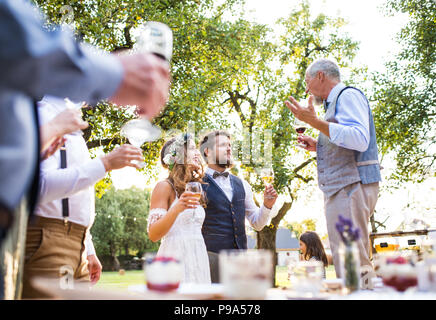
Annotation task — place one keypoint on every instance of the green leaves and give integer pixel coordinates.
(121, 222)
(405, 96)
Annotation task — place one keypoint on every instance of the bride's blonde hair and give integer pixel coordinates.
(180, 173)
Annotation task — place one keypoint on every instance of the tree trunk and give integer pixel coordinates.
(115, 262)
(372, 221)
(266, 238)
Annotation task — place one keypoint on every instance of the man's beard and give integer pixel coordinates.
(224, 165)
(317, 100)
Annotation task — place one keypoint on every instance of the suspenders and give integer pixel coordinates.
(65, 211)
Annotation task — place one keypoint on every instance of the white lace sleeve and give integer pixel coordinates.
(154, 215)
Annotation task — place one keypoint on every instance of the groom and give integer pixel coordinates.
(229, 201)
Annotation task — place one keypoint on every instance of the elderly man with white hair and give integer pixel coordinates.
(346, 150)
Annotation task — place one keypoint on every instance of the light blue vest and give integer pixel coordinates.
(338, 166)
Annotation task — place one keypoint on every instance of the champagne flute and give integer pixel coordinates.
(267, 176)
(138, 131)
(156, 38)
(196, 189)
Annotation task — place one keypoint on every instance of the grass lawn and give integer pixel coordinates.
(114, 281)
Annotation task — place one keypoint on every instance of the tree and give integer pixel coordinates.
(258, 100)
(299, 228)
(405, 95)
(107, 230)
(135, 204)
(121, 224)
(200, 40)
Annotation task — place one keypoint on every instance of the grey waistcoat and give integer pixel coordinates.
(338, 166)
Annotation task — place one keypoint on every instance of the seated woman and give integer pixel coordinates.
(176, 216)
(312, 249)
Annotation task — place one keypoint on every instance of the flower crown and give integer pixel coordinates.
(175, 150)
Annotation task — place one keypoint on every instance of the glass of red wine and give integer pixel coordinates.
(300, 127)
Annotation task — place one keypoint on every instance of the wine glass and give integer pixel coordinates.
(138, 131)
(156, 38)
(267, 176)
(196, 189)
(300, 126)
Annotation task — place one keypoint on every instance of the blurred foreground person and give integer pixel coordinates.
(36, 62)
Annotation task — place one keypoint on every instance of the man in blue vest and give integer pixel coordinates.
(229, 201)
(346, 150)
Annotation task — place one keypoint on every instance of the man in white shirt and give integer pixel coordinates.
(346, 154)
(55, 243)
(229, 201)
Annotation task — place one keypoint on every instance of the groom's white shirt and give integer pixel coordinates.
(258, 217)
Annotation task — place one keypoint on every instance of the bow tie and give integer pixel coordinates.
(220, 174)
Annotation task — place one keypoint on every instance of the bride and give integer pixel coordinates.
(176, 216)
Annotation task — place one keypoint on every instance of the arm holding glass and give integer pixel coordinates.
(258, 217)
(352, 128)
(161, 223)
(308, 114)
(40, 62)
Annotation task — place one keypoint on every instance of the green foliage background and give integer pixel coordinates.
(228, 72)
(120, 225)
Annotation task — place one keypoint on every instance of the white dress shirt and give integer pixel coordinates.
(76, 182)
(258, 217)
(352, 114)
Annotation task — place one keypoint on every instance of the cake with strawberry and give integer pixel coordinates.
(398, 273)
(163, 274)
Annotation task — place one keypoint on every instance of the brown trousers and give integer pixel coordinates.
(53, 250)
(356, 202)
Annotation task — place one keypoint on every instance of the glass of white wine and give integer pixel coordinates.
(267, 176)
(196, 189)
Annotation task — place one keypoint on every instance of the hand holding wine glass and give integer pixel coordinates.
(138, 131)
(145, 83)
(156, 38)
(267, 176)
(310, 143)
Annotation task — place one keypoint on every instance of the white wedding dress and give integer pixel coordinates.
(185, 242)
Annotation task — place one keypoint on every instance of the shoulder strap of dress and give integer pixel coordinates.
(172, 185)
